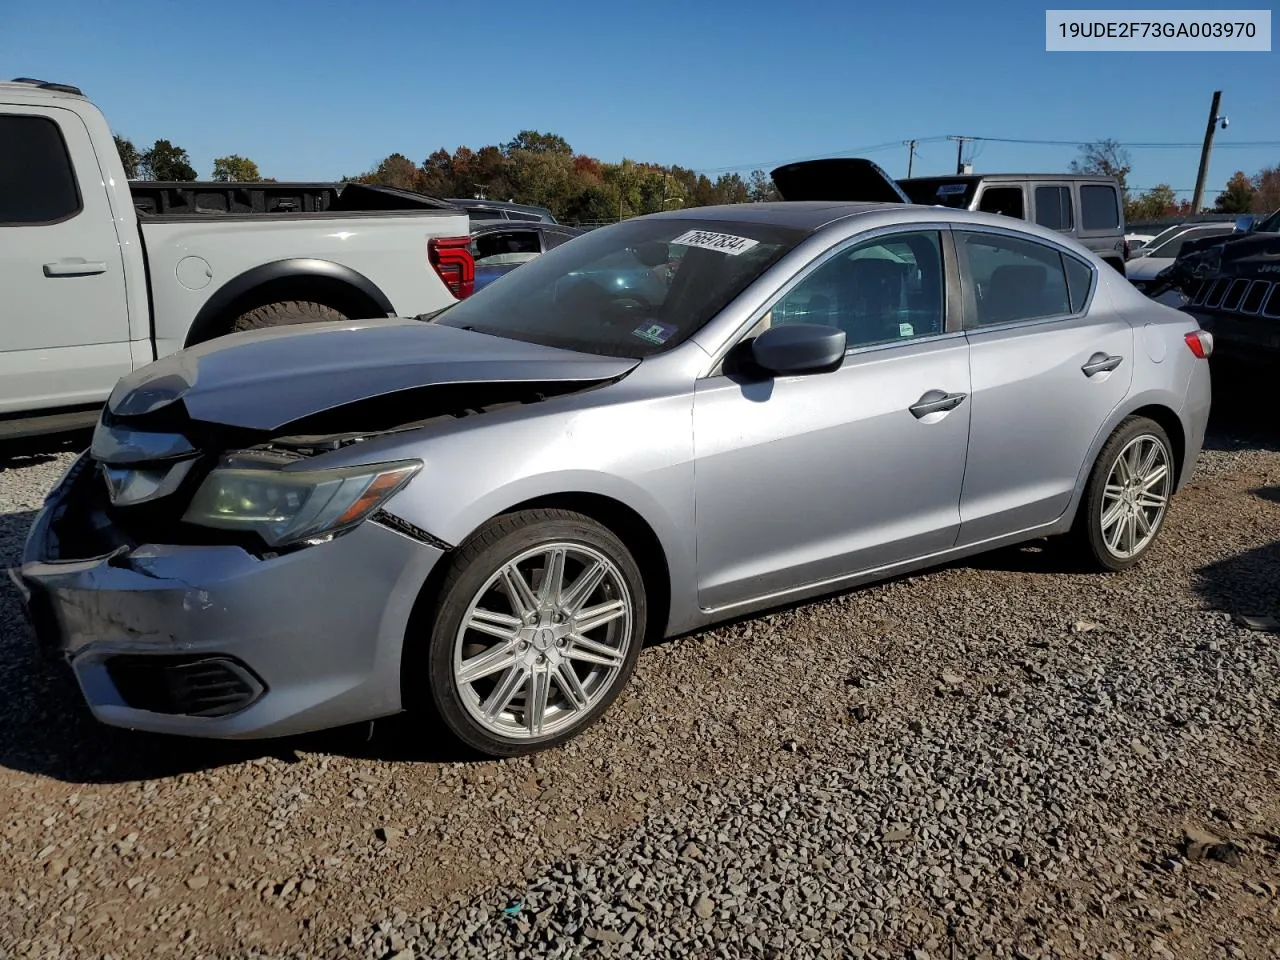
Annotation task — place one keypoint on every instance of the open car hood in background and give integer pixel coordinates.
(845, 179)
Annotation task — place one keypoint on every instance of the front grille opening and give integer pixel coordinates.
(1253, 299)
(1201, 291)
(1233, 297)
(1272, 306)
(185, 685)
(1214, 296)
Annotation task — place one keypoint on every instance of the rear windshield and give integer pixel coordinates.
(633, 289)
(940, 191)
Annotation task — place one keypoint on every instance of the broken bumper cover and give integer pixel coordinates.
(211, 641)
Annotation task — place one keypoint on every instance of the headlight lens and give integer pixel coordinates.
(291, 506)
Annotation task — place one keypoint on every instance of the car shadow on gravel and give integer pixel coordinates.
(1247, 584)
(33, 451)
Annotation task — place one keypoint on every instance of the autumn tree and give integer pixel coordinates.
(1154, 204)
(1237, 197)
(235, 168)
(396, 170)
(1105, 157)
(1266, 190)
(165, 161)
(760, 188)
(535, 142)
(129, 156)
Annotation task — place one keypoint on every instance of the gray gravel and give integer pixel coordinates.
(1002, 758)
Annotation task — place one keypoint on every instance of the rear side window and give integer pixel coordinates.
(37, 184)
(1053, 208)
(1015, 279)
(1006, 201)
(1079, 282)
(553, 238)
(1099, 207)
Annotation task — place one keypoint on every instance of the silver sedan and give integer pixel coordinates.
(482, 515)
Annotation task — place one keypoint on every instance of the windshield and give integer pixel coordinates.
(940, 191)
(629, 290)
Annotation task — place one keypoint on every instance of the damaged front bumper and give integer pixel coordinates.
(213, 641)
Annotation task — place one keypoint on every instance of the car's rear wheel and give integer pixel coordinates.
(538, 627)
(1127, 496)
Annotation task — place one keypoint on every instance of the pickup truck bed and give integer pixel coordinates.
(102, 275)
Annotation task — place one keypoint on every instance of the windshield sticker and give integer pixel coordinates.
(655, 332)
(950, 189)
(723, 242)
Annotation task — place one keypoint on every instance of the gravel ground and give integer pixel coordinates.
(1002, 758)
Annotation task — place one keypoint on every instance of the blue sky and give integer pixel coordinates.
(315, 90)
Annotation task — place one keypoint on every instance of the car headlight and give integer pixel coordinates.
(291, 506)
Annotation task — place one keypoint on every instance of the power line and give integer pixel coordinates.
(1075, 144)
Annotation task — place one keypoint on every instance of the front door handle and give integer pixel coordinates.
(74, 267)
(936, 401)
(1101, 363)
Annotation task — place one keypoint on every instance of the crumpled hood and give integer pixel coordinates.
(264, 380)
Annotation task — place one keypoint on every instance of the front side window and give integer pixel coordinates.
(879, 291)
(1006, 201)
(1099, 207)
(1053, 207)
(37, 184)
(1014, 279)
(632, 289)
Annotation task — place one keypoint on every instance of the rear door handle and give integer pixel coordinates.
(1101, 363)
(936, 401)
(74, 267)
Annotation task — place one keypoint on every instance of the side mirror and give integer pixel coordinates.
(799, 348)
(1244, 223)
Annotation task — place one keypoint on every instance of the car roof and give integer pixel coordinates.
(816, 215)
(976, 177)
(495, 204)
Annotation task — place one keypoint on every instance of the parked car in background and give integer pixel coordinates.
(502, 210)
(1232, 285)
(1137, 241)
(486, 515)
(101, 276)
(1142, 269)
(499, 246)
(1085, 207)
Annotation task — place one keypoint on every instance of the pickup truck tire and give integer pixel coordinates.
(280, 314)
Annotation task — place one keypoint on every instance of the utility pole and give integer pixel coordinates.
(1197, 199)
(960, 142)
(911, 155)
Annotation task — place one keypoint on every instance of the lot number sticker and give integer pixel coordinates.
(724, 242)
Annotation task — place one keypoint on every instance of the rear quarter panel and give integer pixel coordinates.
(389, 249)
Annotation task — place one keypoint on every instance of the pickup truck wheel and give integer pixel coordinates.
(280, 314)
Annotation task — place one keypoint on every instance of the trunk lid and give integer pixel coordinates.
(850, 179)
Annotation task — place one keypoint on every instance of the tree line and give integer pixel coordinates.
(1259, 193)
(543, 169)
(165, 161)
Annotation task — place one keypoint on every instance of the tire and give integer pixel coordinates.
(283, 314)
(1124, 540)
(490, 712)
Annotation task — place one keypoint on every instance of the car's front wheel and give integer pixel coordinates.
(537, 628)
(1127, 496)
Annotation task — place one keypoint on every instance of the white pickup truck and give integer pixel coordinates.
(99, 276)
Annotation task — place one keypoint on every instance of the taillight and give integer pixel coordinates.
(452, 260)
(1201, 343)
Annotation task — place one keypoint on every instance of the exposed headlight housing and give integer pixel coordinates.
(284, 507)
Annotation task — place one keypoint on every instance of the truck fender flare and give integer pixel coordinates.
(215, 309)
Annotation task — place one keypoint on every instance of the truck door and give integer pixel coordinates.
(64, 324)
